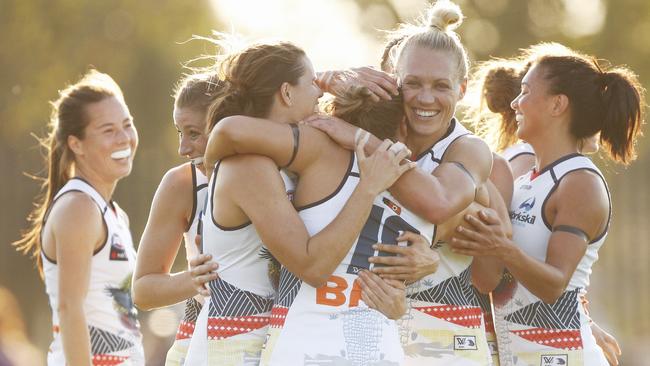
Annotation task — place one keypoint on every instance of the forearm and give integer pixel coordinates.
(75, 335)
(486, 273)
(325, 250)
(540, 278)
(162, 289)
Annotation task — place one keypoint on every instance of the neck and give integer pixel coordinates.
(103, 187)
(550, 148)
(419, 143)
(279, 115)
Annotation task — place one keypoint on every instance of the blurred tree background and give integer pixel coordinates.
(45, 44)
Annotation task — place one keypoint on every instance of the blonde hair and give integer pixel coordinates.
(435, 31)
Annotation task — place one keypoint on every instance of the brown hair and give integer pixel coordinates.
(252, 76)
(197, 91)
(68, 118)
(436, 32)
(381, 118)
(607, 101)
(494, 84)
(493, 87)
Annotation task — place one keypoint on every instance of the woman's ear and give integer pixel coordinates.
(75, 144)
(285, 94)
(560, 105)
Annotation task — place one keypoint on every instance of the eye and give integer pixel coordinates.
(443, 86)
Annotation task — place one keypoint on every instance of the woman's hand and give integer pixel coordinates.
(337, 129)
(202, 270)
(484, 236)
(409, 263)
(380, 84)
(608, 343)
(383, 167)
(385, 296)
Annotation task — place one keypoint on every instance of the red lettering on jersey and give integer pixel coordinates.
(355, 294)
(336, 296)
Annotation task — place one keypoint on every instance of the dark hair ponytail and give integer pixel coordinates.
(622, 99)
(609, 102)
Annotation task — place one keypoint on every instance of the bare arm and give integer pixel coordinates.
(435, 197)
(311, 258)
(153, 285)
(247, 135)
(77, 228)
(580, 201)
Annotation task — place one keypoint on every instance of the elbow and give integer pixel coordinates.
(138, 293)
(552, 294)
(315, 280)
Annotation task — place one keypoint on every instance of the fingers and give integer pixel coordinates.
(396, 284)
(469, 234)
(372, 282)
(361, 145)
(476, 223)
(462, 244)
(393, 270)
(413, 238)
(200, 259)
(489, 217)
(385, 81)
(391, 248)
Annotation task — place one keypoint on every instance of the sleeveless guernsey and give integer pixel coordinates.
(178, 351)
(232, 325)
(518, 149)
(531, 332)
(111, 316)
(447, 314)
(331, 324)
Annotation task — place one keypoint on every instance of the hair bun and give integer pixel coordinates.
(444, 15)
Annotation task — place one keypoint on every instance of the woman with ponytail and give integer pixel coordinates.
(79, 236)
(561, 209)
(175, 213)
(446, 316)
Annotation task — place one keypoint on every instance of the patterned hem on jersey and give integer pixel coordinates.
(185, 330)
(108, 360)
(103, 343)
(465, 316)
(569, 339)
(456, 290)
(229, 301)
(226, 327)
(278, 316)
(563, 314)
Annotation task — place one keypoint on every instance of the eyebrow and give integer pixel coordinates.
(127, 119)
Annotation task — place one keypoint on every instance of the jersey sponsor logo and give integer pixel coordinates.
(332, 293)
(462, 343)
(118, 252)
(522, 215)
(554, 360)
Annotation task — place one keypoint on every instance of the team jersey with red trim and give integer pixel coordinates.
(232, 325)
(531, 332)
(331, 324)
(178, 351)
(447, 314)
(110, 314)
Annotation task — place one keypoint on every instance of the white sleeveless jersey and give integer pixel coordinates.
(448, 314)
(177, 353)
(330, 324)
(516, 150)
(111, 316)
(239, 309)
(531, 332)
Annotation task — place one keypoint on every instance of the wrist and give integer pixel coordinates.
(365, 190)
